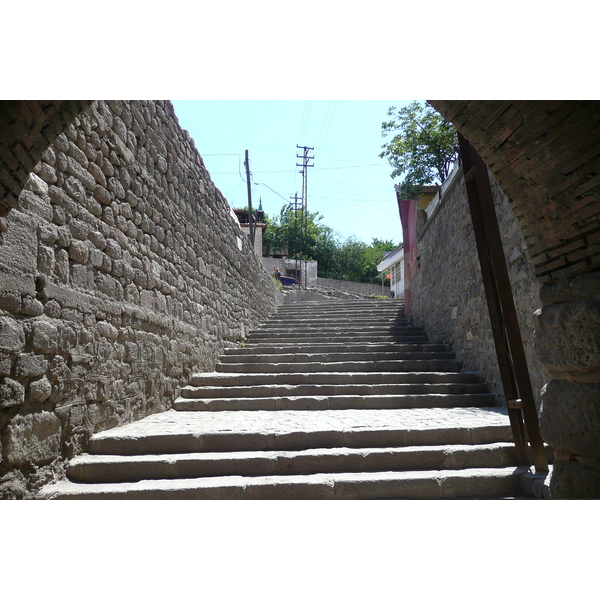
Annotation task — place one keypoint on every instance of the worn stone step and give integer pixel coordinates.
(353, 303)
(335, 306)
(346, 330)
(414, 485)
(114, 469)
(332, 357)
(348, 347)
(342, 367)
(304, 321)
(327, 332)
(330, 378)
(176, 432)
(336, 402)
(309, 389)
(340, 338)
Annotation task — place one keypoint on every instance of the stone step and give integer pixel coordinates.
(396, 303)
(302, 339)
(327, 332)
(348, 347)
(116, 469)
(337, 402)
(492, 483)
(331, 357)
(348, 329)
(330, 378)
(175, 432)
(342, 367)
(310, 389)
(303, 320)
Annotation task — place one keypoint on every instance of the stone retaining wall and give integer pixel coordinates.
(123, 271)
(449, 298)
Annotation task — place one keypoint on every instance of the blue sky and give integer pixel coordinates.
(349, 184)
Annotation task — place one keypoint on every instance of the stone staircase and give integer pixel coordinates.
(332, 399)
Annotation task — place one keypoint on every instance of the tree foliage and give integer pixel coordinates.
(350, 259)
(423, 148)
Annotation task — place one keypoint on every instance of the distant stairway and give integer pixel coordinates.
(333, 399)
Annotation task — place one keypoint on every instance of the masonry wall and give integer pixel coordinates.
(122, 272)
(449, 297)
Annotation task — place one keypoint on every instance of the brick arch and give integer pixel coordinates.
(27, 128)
(546, 157)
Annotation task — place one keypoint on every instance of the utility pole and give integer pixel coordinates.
(305, 158)
(295, 199)
(250, 214)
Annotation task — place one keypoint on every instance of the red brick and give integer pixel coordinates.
(580, 204)
(544, 245)
(553, 266)
(568, 248)
(593, 238)
(588, 186)
(590, 211)
(580, 255)
(570, 270)
(502, 106)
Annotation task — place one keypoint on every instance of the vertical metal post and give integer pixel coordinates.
(512, 362)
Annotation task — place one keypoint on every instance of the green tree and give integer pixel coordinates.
(290, 235)
(423, 148)
(351, 259)
(357, 261)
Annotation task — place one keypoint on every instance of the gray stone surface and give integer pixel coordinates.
(122, 272)
(493, 483)
(570, 417)
(449, 299)
(454, 445)
(32, 439)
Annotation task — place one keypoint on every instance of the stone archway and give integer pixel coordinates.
(546, 157)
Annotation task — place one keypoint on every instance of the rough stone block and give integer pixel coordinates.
(5, 363)
(31, 365)
(32, 439)
(40, 390)
(10, 301)
(61, 268)
(32, 307)
(52, 309)
(79, 251)
(19, 250)
(36, 204)
(48, 173)
(572, 481)
(45, 337)
(12, 335)
(570, 417)
(12, 393)
(46, 259)
(568, 339)
(102, 195)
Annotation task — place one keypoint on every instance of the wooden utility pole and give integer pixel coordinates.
(250, 213)
(305, 158)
